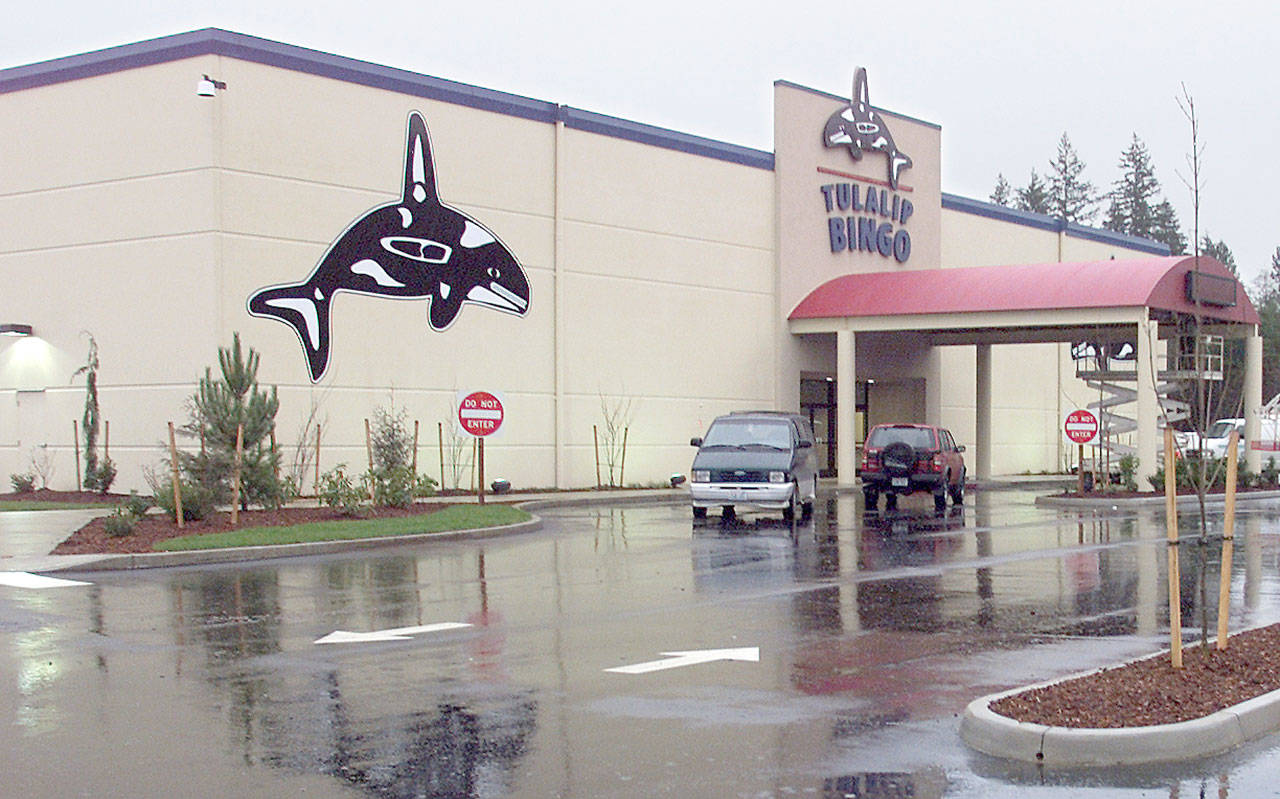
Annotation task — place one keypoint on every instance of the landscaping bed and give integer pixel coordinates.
(154, 528)
(1151, 691)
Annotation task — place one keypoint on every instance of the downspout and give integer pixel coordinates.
(560, 462)
(1062, 454)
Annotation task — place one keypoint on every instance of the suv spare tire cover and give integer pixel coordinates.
(899, 458)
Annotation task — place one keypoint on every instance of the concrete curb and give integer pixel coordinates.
(204, 557)
(1000, 736)
(1184, 501)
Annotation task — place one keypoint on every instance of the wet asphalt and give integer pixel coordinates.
(873, 631)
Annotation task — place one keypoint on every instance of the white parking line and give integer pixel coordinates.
(29, 580)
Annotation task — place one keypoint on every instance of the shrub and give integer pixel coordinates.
(1128, 472)
(120, 523)
(138, 505)
(391, 487)
(390, 441)
(23, 482)
(426, 486)
(1270, 475)
(100, 477)
(339, 491)
(197, 501)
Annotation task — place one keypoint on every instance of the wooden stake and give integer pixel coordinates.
(440, 433)
(316, 485)
(415, 450)
(1080, 470)
(235, 476)
(75, 432)
(622, 468)
(1228, 540)
(480, 460)
(1171, 527)
(595, 434)
(177, 485)
(106, 440)
(275, 461)
(368, 447)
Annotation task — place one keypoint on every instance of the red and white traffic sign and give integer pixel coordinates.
(480, 413)
(1081, 427)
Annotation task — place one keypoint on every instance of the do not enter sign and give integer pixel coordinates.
(480, 413)
(1081, 427)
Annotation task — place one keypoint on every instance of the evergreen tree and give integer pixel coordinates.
(1071, 197)
(1167, 229)
(1275, 268)
(1035, 197)
(1136, 206)
(1002, 194)
(1219, 251)
(221, 405)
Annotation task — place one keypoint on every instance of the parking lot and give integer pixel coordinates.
(620, 651)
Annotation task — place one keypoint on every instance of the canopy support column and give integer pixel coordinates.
(846, 407)
(1148, 415)
(1252, 399)
(982, 407)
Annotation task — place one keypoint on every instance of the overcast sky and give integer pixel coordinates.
(1003, 78)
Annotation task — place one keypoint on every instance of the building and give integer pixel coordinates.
(164, 195)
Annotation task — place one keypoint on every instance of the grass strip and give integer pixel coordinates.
(19, 504)
(455, 517)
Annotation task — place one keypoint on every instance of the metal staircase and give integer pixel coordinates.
(1112, 371)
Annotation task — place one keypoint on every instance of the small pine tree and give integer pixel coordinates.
(1002, 194)
(98, 475)
(1219, 251)
(1071, 197)
(218, 407)
(1035, 196)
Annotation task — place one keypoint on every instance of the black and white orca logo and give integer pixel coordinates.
(414, 248)
(858, 127)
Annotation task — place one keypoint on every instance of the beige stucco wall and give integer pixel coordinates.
(157, 213)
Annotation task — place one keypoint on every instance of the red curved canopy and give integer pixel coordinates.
(1156, 283)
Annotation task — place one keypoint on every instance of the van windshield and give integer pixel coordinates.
(743, 433)
(1221, 429)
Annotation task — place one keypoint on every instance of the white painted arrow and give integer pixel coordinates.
(28, 580)
(393, 634)
(674, 660)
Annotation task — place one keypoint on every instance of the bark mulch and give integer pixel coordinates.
(1151, 691)
(81, 497)
(92, 539)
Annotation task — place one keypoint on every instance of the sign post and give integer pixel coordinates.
(480, 414)
(1081, 427)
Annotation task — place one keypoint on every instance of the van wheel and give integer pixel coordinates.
(699, 513)
(789, 512)
(891, 501)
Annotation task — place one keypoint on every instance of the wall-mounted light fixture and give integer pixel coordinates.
(208, 87)
(14, 329)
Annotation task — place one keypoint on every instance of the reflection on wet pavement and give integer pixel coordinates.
(874, 631)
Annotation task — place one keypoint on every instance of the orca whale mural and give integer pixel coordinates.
(858, 127)
(414, 248)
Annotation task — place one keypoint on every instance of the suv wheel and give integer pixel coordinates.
(871, 498)
(940, 500)
(957, 491)
(699, 513)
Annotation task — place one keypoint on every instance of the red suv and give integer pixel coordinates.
(905, 458)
